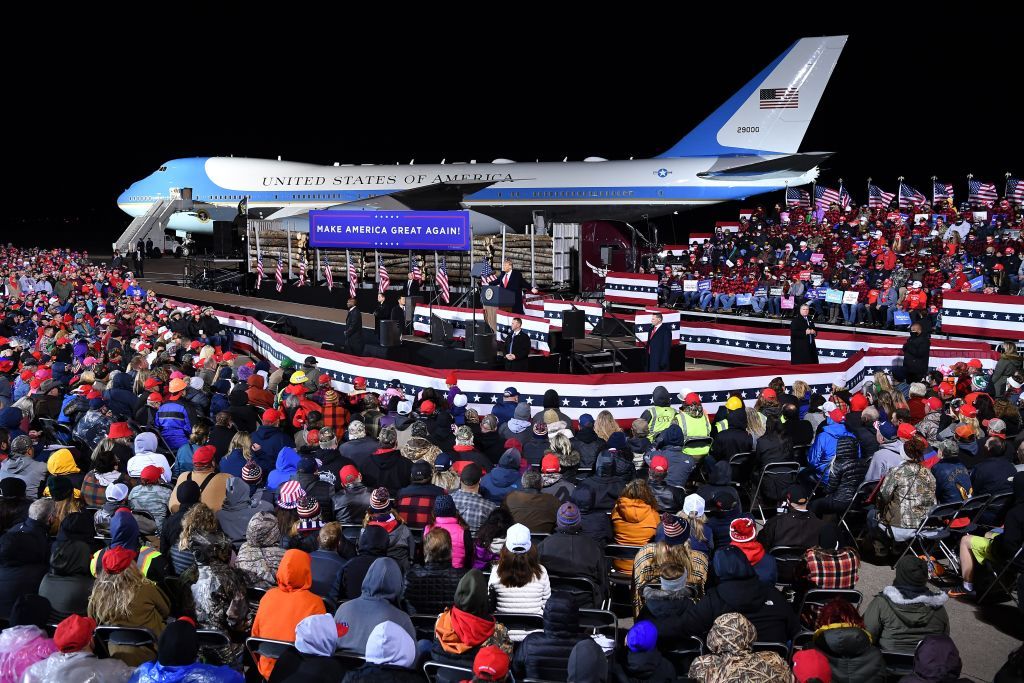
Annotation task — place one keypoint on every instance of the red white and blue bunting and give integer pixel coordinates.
(996, 317)
(631, 288)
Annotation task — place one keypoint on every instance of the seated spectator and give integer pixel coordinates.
(797, 528)
(13, 503)
(596, 524)
(665, 602)
(261, 554)
(233, 517)
(671, 546)
(124, 533)
(719, 478)
(183, 458)
(490, 538)
(952, 480)
(642, 660)
(731, 436)
(176, 659)
(327, 563)
(199, 520)
(61, 463)
(219, 597)
(774, 446)
(937, 660)
(401, 544)
(841, 637)
(588, 663)
(468, 627)
(553, 482)
(906, 494)
(21, 465)
(36, 530)
(907, 611)
(146, 454)
(739, 590)
(519, 583)
(74, 659)
(373, 545)
(731, 658)
(670, 498)
(25, 641)
(123, 596)
(69, 582)
(386, 466)
(544, 654)
(430, 587)
(992, 547)
(117, 498)
(312, 656)
(635, 518)
(318, 483)
(993, 471)
(890, 451)
(693, 511)
(21, 571)
(351, 503)
(378, 602)
(390, 657)
(720, 513)
(669, 445)
(104, 473)
(530, 507)
(472, 506)
(504, 478)
(170, 531)
(605, 483)
(571, 553)
(587, 442)
(810, 666)
(415, 502)
(742, 533)
(828, 566)
(151, 495)
(446, 516)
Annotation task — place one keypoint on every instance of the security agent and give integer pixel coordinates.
(517, 348)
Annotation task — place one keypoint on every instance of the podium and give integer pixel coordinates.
(493, 297)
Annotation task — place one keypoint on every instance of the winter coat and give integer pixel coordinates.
(1006, 367)
(149, 609)
(461, 539)
(936, 660)
(906, 495)
(234, 515)
(174, 423)
(545, 655)
(729, 641)
(387, 468)
(284, 606)
(528, 599)
(555, 484)
(326, 566)
(499, 482)
(32, 472)
(898, 623)
(634, 523)
(20, 648)
(846, 473)
(316, 487)
(535, 510)
(271, 440)
(929, 427)
(588, 444)
(640, 667)
(285, 466)
(68, 584)
(606, 488)
(795, 528)
(952, 480)
(373, 545)
(992, 475)
(773, 448)
(261, 554)
(351, 503)
(377, 603)
(850, 654)
(570, 552)
(823, 450)
(666, 609)
(430, 588)
(357, 450)
(595, 523)
(20, 573)
(83, 667)
(915, 356)
(670, 498)
(219, 596)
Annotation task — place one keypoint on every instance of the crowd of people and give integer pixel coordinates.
(155, 481)
(784, 256)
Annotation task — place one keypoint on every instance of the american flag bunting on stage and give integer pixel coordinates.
(328, 274)
(878, 198)
(279, 274)
(631, 288)
(981, 193)
(302, 271)
(487, 274)
(993, 316)
(441, 278)
(779, 98)
(941, 191)
(415, 274)
(351, 275)
(259, 270)
(825, 197)
(798, 197)
(910, 197)
(1015, 190)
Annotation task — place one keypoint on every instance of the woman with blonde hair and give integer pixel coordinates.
(635, 518)
(568, 457)
(882, 383)
(670, 546)
(605, 425)
(183, 461)
(199, 520)
(122, 596)
(802, 393)
(755, 424)
(239, 454)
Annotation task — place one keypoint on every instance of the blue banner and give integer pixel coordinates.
(761, 291)
(901, 318)
(703, 285)
(743, 299)
(977, 283)
(418, 230)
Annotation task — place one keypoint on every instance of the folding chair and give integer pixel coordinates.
(585, 592)
(126, 636)
(601, 621)
(348, 660)
(898, 664)
(352, 532)
(775, 469)
(212, 638)
(620, 583)
(932, 529)
(803, 640)
(424, 625)
(789, 560)
(682, 657)
(434, 670)
(738, 464)
(253, 595)
(858, 505)
(1016, 563)
(265, 647)
(537, 538)
(800, 454)
(971, 511)
(515, 621)
(992, 515)
(819, 596)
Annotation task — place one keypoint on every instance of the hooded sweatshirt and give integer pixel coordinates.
(234, 515)
(313, 656)
(850, 653)
(373, 545)
(503, 479)
(936, 660)
(69, 582)
(381, 591)
(670, 445)
(261, 554)
(30, 471)
(729, 640)
(286, 466)
(283, 607)
(634, 523)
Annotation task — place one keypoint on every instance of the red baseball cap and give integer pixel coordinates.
(968, 411)
(514, 443)
(271, 415)
(837, 415)
(349, 474)
(155, 398)
(858, 402)
(427, 408)
(934, 404)
(974, 363)
(769, 393)
(947, 389)
(659, 463)
(549, 464)
(906, 431)
(811, 664)
(490, 664)
(151, 474)
(691, 399)
(203, 455)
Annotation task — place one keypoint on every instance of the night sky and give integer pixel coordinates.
(907, 102)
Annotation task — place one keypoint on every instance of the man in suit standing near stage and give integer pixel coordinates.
(512, 280)
(659, 345)
(517, 348)
(802, 349)
(354, 330)
(398, 312)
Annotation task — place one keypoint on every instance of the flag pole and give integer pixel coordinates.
(970, 176)
(841, 196)
(935, 179)
(1006, 190)
(869, 194)
(899, 194)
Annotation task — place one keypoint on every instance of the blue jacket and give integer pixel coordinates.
(271, 441)
(232, 463)
(952, 481)
(503, 411)
(287, 464)
(499, 482)
(823, 450)
(218, 403)
(183, 459)
(154, 672)
(119, 396)
(174, 425)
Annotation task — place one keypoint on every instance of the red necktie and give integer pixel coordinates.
(504, 282)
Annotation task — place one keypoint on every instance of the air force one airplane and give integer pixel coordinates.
(748, 146)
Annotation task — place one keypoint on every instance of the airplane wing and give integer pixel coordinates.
(759, 170)
(436, 197)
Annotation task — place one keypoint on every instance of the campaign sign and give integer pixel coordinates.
(817, 258)
(689, 285)
(704, 285)
(977, 283)
(901, 318)
(805, 275)
(850, 297)
(834, 296)
(743, 299)
(787, 303)
(775, 291)
(761, 291)
(420, 230)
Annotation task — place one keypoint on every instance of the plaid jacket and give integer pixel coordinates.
(415, 510)
(473, 507)
(831, 569)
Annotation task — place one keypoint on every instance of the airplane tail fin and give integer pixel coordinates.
(770, 114)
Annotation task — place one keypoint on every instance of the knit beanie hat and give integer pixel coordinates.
(568, 516)
(742, 530)
(911, 572)
(178, 645)
(643, 637)
(674, 530)
(444, 506)
(308, 507)
(188, 493)
(380, 499)
(252, 473)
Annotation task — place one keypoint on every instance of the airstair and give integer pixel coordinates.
(152, 223)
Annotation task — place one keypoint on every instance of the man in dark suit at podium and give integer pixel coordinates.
(513, 281)
(659, 345)
(354, 330)
(517, 348)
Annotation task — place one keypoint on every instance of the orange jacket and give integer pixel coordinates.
(634, 523)
(282, 608)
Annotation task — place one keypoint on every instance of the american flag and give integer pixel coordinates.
(279, 274)
(941, 191)
(382, 273)
(910, 197)
(259, 270)
(981, 193)
(844, 197)
(879, 199)
(302, 270)
(415, 274)
(328, 274)
(779, 98)
(441, 278)
(797, 197)
(1015, 190)
(351, 276)
(487, 274)
(825, 197)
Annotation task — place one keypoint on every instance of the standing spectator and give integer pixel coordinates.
(915, 353)
(801, 338)
(826, 444)
(1010, 363)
